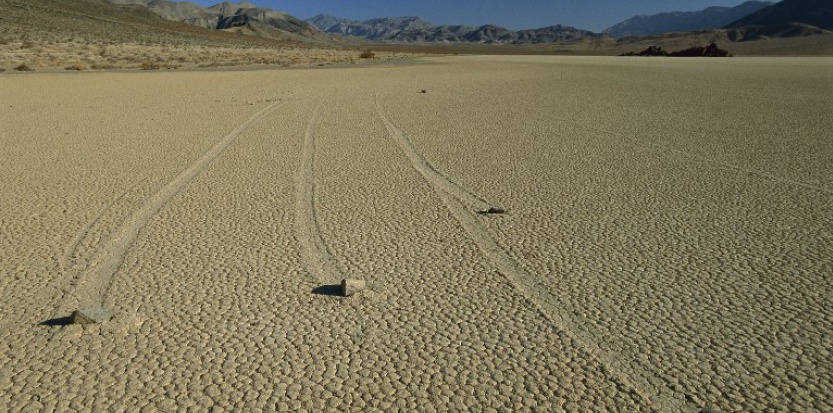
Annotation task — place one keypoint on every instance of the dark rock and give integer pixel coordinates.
(709, 51)
(697, 51)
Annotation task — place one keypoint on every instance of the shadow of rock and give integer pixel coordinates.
(330, 290)
(57, 322)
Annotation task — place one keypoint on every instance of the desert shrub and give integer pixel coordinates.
(367, 54)
(149, 66)
(24, 68)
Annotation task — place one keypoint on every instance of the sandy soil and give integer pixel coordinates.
(667, 245)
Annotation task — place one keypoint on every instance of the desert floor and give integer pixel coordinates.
(667, 244)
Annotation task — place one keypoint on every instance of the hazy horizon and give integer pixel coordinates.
(529, 14)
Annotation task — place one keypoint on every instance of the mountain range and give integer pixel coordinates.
(817, 13)
(747, 21)
(684, 21)
(102, 21)
(750, 20)
(789, 18)
(225, 16)
(411, 29)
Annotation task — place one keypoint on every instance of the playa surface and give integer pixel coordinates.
(666, 246)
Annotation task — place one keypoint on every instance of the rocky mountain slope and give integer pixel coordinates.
(787, 19)
(369, 29)
(224, 16)
(96, 21)
(709, 18)
(97, 34)
(411, 29)
(818, 13)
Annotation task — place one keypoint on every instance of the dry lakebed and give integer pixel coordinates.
(535, 234)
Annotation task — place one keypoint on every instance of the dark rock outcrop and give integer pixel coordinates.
(697, 51)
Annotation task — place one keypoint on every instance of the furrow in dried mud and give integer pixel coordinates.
(71, 260)
(660, 399)
(90, 286)
(431, 175)
(315, 255)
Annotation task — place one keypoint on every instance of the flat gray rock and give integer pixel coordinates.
(91, 315)
(351, 286)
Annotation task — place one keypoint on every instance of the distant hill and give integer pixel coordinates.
(100, 35)
(412, 29)
(225, 16)
(789, 18)
(99, 21)
(709, 18)
(818, 13)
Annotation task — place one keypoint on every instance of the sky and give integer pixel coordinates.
(595, 15)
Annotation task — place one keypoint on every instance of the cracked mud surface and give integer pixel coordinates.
(667, 246)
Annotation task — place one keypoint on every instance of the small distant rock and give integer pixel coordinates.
(423, 91)
(352, 286)
(495, 210)
(92, 315)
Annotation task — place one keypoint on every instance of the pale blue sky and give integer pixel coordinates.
(595, 15)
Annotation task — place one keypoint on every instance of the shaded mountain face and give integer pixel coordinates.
(224, 15)
(709, 18)
(411, 29)
(817, 13)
